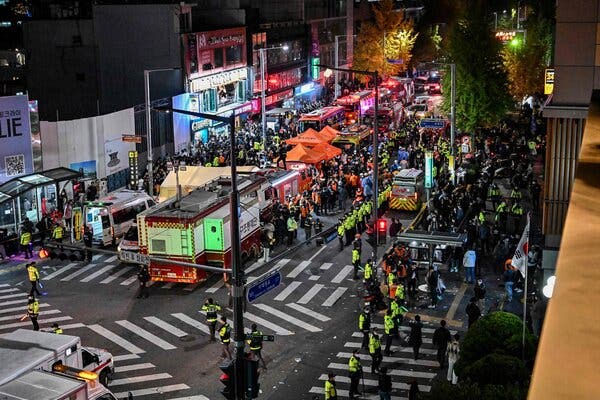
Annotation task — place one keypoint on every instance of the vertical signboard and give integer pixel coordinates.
(549, 81)
(133, 170)
(15, 138)
(428, 169)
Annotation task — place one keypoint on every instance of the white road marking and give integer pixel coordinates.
(12, 302)
(129, 280)
(314, 277)
(317, 253)
(296, 271)
(280, 264)
(40, 321)
(342, 274)
(288, 290)
(355, 345)
(197, 397)
(20, 308)
(216, 286)
(125, 357)
(192, 322)
(337, 293)
(326, 266)
(373, 382)
(78, 272)
(13, 295)
(117, 274)
(288, 318)
(408, 361)
(267, 324)
(308, 312)
(141, 378)
(110, 259)
(311, 293)
(253, 267)
(17, 316)
(134, 367)
(154, 390)
(113, 337)
(166, 326)
(73, 326)
(97, 273)
(146, 335)
(344, 393)
(4, 285)
(59, 271)
(9, 290)
(391, 371)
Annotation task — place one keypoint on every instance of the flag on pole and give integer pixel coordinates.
(519, 260)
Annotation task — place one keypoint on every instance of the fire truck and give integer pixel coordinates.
(407, 190)
(197, 229)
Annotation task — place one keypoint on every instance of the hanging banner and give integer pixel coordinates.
(428, 170)
(15, 138)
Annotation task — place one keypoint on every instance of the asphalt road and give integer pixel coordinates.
(161, 344)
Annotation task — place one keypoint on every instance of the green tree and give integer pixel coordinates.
(389, 36)
(482, 97)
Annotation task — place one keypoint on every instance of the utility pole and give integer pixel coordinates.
(375, 77)
(453, 116)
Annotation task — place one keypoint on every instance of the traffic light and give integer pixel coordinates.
(227, 378)
(252, 385)
(382, 225)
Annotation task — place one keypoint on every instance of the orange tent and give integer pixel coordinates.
(330, 132)
(304, 154)
(309, 138)
(327, 149)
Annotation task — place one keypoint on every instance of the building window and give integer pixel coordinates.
(233, 55)
(218, 58)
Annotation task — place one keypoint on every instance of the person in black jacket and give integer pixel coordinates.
(416, 335)
(441, 338)
(385, 384)
(473, 312)
(143, 277)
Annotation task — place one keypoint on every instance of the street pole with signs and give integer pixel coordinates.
(428, 174)
(262, 55)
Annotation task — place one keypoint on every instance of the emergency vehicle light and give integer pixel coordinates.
(75, 372)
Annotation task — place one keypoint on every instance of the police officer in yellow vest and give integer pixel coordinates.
(57, 235)
(211, 310)
(25, 241)
(255, 343)
(34, 277)
(400, 293)
(56, 329)
(225, 336)
(368, 271)
(364, 325)
(388, 326)
(398, 311)
(330, 391)
(33, 311)
(341, 231)
(375, 351)
(515, 194)
(354, 370)
(356, 261)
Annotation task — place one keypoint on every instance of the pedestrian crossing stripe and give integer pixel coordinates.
(288, 318)
(140, 378)
(312, 292)
(20, 308)
(78, 272)
(9, 290)
(267, 324)
(334, 297)
(146, 335)
(125, 357)
(13, 295)
(166, 326)
(97, 273)
(134, 367)
(117, 274)
(308, 312)
(192, 322)
(403, 360)
(355, 345)
(118, 340)
(155, 390)
(16, 317)
(287, 290)
(373, 382)
(40, 322)
(360, 335)
(391, 372)
(342, 274)
(344, 393)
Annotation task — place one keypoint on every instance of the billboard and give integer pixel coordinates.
(15, 138)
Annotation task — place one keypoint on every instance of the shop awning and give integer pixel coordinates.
(17, 186)
(309, 138)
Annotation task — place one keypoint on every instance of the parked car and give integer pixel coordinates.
(130, 240)
(433, 85)
(420, 82)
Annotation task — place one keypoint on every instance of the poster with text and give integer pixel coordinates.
(15, 138)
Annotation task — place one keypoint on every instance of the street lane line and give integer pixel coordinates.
(59, 271)
(146, 335)
(373, 382)
(192, 322)
(216, 286)
(337, 293)
(191, 287)
(308, 312)
(166, 326)
(288, 318)
(78, 272)
(134, 367)
(456, 302)
(73, 326)
(408, 361)
(17, 316)
(10, 290)
(280, 264)
(342, 274)
(137, 379)
(267, 324)
(296, 271)
(155, 390)
(197, 397)
(407, 329)
(326, 266)
(110, 259)
(317, 253)
(431, 352)
(13, 295)
(311, 293)
(4, 285)
(168, 285)
(391, 371)
(40, 321)
(124, 343)
(117, 274)
(344, 393)
(129, 280)
(125, 357)
(253, 267)
(288, 290)
(97, 273)
(314, 277)
(20, 308)
(12, 302)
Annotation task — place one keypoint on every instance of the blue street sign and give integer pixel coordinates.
(266, 284)
(432, 123)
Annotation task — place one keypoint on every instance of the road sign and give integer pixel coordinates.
(263, 286)
(133, 257)
(131, 138)
(397, 61)
(432, 123)
(549, 81)
(428, 169)
(265, 338)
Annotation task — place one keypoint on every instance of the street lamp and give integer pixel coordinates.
(262, 53)
(150, 158)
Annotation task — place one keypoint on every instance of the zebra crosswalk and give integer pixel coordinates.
(402, 368)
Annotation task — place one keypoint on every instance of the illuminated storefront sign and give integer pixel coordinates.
(216, 80)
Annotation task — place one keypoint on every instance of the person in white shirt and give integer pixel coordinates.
(469, 260)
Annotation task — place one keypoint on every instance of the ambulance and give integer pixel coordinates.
(407, 190)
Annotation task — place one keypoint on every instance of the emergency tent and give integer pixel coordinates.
(194, 177)
(328, 150)
(329, 132)
(304, 154)
(309, 138)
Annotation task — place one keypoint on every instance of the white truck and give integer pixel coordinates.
(23, 351)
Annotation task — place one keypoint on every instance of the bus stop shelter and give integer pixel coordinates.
(30, 196)
(424, 243)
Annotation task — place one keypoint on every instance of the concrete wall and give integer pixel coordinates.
(132, 38)
(61, 62)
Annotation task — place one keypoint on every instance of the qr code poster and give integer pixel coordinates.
(15, 164)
